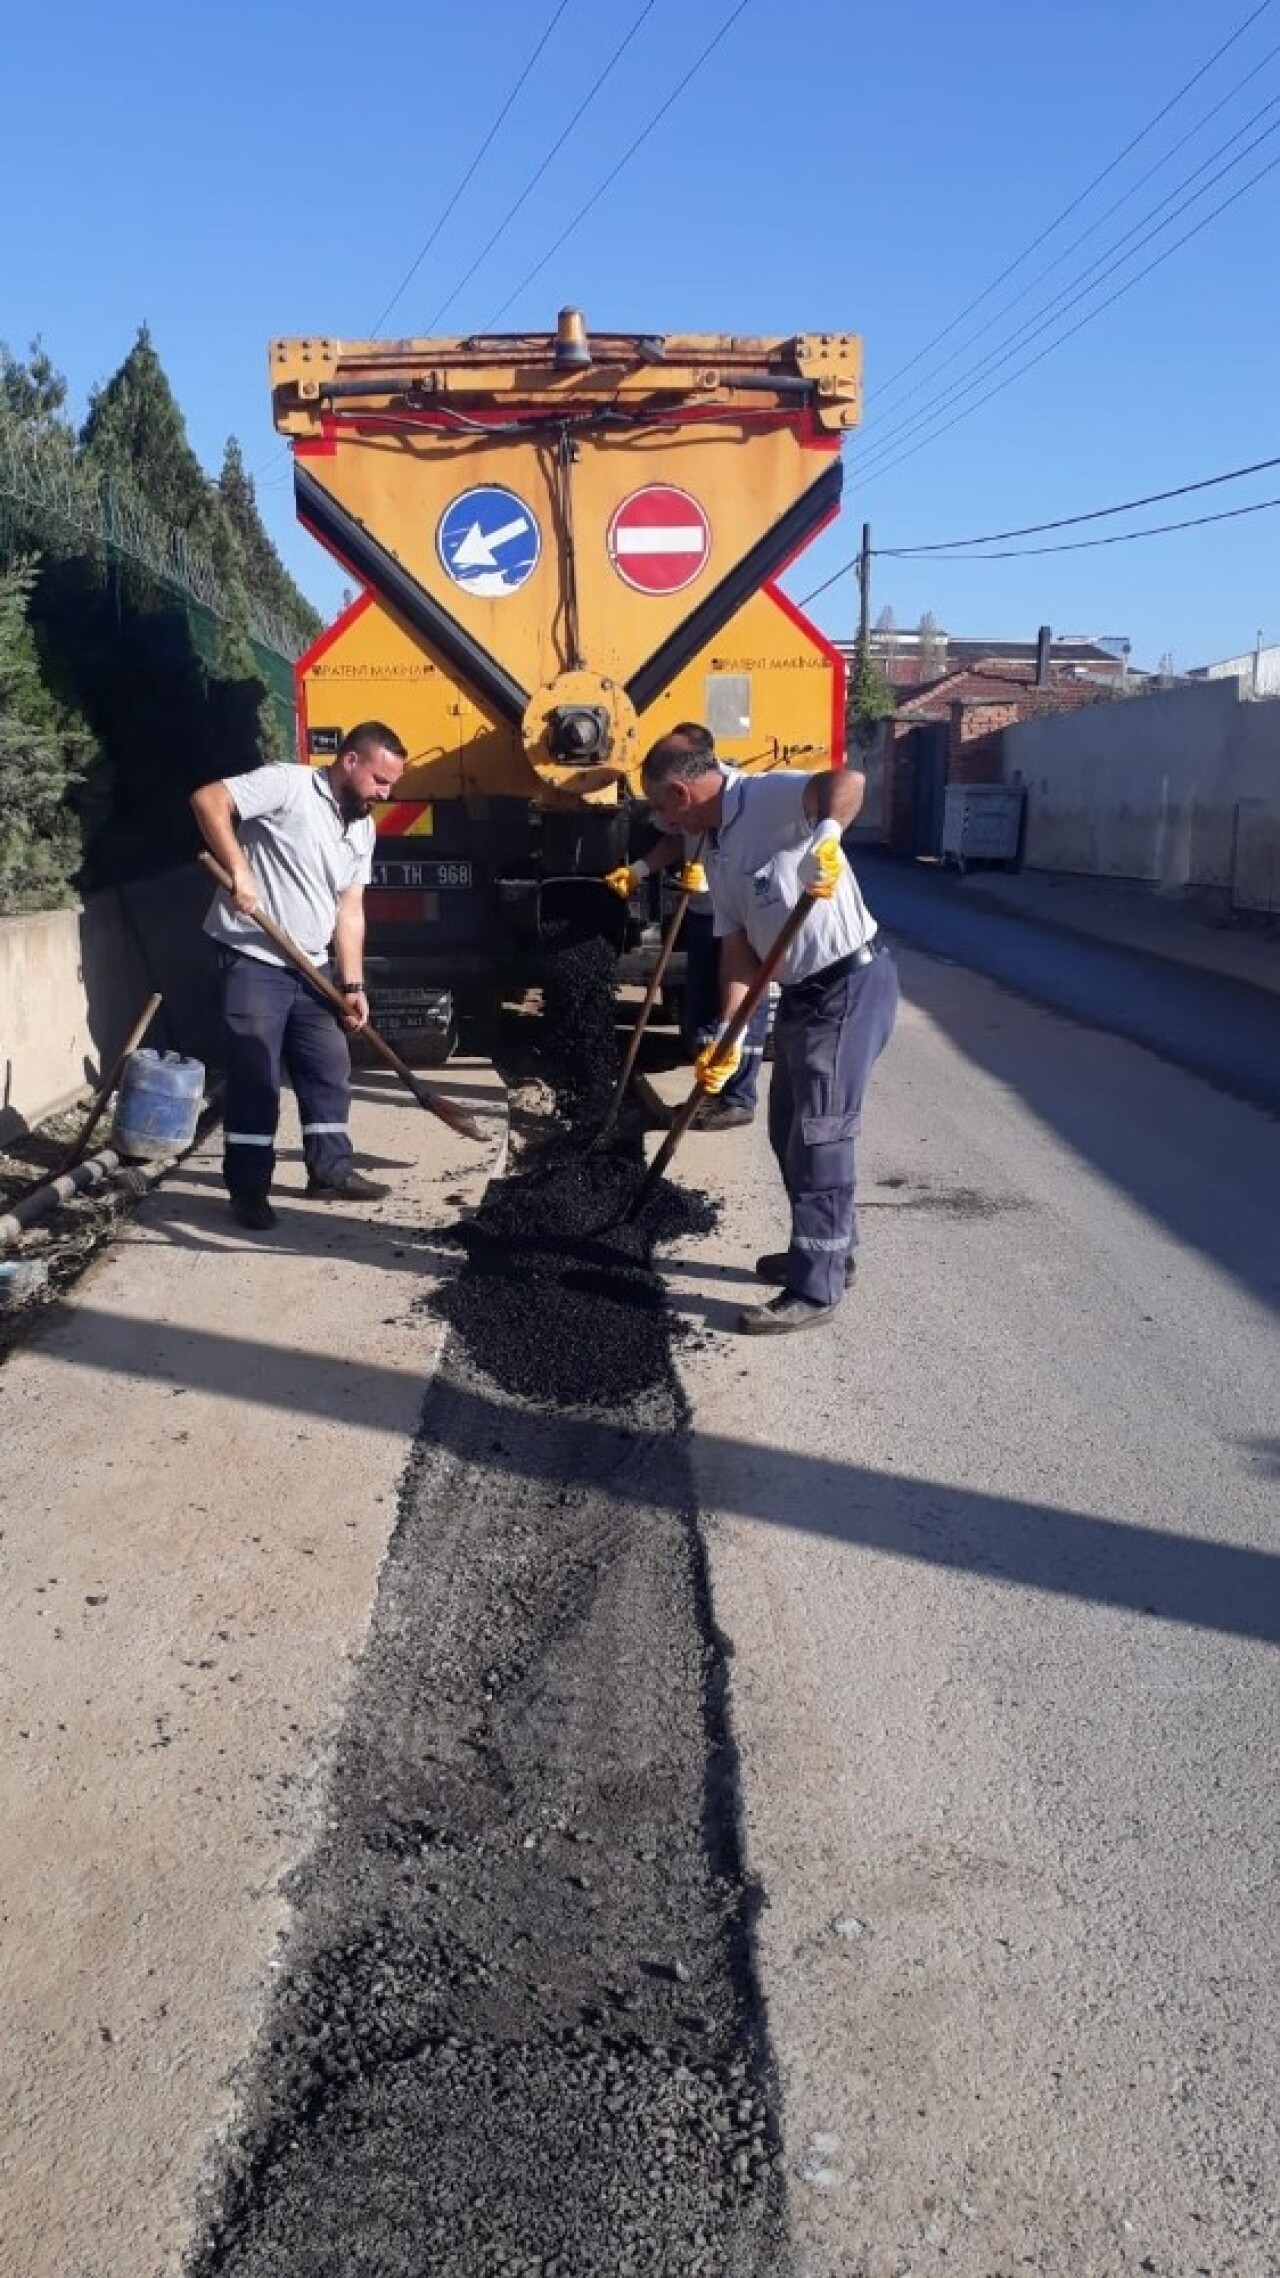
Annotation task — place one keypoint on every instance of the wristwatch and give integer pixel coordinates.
(352, 988)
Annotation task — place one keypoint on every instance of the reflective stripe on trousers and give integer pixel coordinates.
(273, 1024)
(826, 1040)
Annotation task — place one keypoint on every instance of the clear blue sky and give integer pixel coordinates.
(231, 173)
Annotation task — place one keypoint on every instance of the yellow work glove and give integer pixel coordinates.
(714, 1066)
(624, 881)
(693, 879)
(821, 867)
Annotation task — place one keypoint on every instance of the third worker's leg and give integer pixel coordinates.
(702, 978)
(318, 1061)
(736, 1104)
(743, 1087)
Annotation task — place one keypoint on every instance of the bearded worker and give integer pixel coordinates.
(298, 842)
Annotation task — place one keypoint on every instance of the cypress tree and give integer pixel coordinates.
(136, 433)
(45, 753)
(265, 575)
(35, 392)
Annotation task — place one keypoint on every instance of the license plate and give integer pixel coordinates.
(433, 874)
(404, 1008)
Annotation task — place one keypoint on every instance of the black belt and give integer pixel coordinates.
(853, 963)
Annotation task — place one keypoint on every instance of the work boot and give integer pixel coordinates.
(782, 1314)
(721, 1115)
(254, 1213)
(773, 1267)
(355, 1187)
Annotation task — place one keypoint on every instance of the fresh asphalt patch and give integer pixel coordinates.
(516, 2030)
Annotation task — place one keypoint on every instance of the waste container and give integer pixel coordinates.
(982, 822)
(158, 1105)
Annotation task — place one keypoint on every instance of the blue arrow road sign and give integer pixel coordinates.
(488, 541)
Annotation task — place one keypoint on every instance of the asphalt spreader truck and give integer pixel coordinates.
(562, 544)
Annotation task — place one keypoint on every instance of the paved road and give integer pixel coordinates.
(999, 1558)
(1216, 1025)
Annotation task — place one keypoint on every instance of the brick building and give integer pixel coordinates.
(949, 730)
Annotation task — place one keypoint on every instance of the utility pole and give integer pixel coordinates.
(864, 580)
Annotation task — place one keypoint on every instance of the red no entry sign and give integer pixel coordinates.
(659, 539)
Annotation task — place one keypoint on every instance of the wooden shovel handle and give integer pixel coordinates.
(656, 978)
(768, 966)
(456, 1117)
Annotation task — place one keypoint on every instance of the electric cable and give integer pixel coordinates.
(921, 443)
(955, 546)
(628, 154)
(1066, 299)
(1110, 211)
(412, 271)
(414, 267)
(532, 184)
(1076, 202)
(1113, 537)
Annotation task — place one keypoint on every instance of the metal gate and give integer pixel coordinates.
(929, 746)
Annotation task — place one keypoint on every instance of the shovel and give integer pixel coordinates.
(456, 1117)
(737, 1028)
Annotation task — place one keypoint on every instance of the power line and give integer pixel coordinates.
(1113, 538)
(1096, 514)
(412, 271)
(1065, 300)
(532, 184)
(1088, 318)
(628, 154)
(1115, 207)
(1034, 529)
(1079, 200)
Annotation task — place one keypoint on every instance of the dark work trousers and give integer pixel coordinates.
(273, 1021)
(702, 1008)
(829, 1033)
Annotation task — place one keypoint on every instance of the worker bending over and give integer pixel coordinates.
(735, 1105)
(298, 842)
(770, 840)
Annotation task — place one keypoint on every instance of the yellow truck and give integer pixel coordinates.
(563, 544)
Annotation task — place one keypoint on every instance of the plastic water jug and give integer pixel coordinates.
(158, 1105)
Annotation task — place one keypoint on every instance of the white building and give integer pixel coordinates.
(1258, 670)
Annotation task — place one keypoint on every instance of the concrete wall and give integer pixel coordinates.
(73, 981)
(1181, 788)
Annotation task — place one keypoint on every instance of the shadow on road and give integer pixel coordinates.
(1216, 1026)
(1007, 1542)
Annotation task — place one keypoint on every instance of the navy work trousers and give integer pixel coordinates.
(829, 1033)
(702, 1008)
(273, 1023)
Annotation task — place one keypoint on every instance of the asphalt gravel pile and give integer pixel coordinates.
(560, 1303)
(517, 2029)
(579, 1024)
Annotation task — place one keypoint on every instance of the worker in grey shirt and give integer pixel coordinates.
(735, 1105)
(298, 843)
(770, 840)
